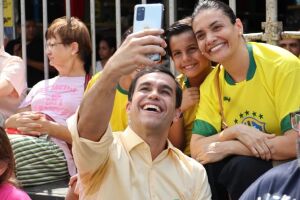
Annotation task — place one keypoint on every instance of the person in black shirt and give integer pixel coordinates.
(35, 53)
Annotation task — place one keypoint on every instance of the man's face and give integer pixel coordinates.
(292, 45)
(30, 30)
(153, 102)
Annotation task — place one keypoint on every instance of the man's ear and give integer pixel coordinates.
(178, 115)
(128, 106)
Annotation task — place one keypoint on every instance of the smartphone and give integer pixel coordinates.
(148, 16)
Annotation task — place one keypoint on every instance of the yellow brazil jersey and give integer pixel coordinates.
(188, 116)
(264, 100)
(118, 119)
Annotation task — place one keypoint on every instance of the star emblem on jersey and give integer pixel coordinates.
(252, 119)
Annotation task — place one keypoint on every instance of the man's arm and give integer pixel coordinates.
(95, 110)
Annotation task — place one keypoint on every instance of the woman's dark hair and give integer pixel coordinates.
(73, 30)
(148, 70)
(111, 42)
(6, 155)
(181, 26)
(214, 4)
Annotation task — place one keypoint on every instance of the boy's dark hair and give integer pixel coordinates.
(148, 70)
(177, 28)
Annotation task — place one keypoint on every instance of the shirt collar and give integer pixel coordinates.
(131, 140)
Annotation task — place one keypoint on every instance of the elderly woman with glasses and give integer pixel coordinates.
(43, 113)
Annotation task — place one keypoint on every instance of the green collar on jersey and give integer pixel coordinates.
(123, 91)
(251, 69)
(187, 82)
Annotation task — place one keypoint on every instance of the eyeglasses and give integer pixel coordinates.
(295, 120)
(51, 45)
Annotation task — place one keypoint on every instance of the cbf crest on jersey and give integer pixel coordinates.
(252, 119)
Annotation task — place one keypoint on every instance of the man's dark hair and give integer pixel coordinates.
(181, 26)
(148, 70)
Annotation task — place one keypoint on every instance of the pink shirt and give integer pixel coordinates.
(12, 69)
(10, 192)
(59, 98)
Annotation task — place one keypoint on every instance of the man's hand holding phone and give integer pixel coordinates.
(148, 16)
(135, 50)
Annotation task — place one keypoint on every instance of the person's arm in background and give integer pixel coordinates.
(176, 133)
(12, 76)
(39, 65)
(36, 64)
(190, 97)
(284, 146)
(6, 88)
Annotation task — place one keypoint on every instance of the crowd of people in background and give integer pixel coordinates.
(231, 110)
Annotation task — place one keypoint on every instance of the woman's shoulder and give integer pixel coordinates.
(272, 52)
(271, 56)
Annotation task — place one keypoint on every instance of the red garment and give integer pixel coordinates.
(77, 8)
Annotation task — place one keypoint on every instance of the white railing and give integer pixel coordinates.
(272, 28)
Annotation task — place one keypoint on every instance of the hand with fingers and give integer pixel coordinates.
(255, 140)
(132, 54)
(213, 152)
(190, 97)
(32, 123)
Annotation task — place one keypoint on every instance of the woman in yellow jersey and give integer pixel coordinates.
(242, 122)
(194, 67)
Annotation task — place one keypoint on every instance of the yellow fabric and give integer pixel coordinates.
(262, 101)
(118, 120)
(188, 117)
(120, 166)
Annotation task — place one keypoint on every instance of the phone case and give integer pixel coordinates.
(148, 16)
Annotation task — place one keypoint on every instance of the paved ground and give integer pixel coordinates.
(52, 191)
